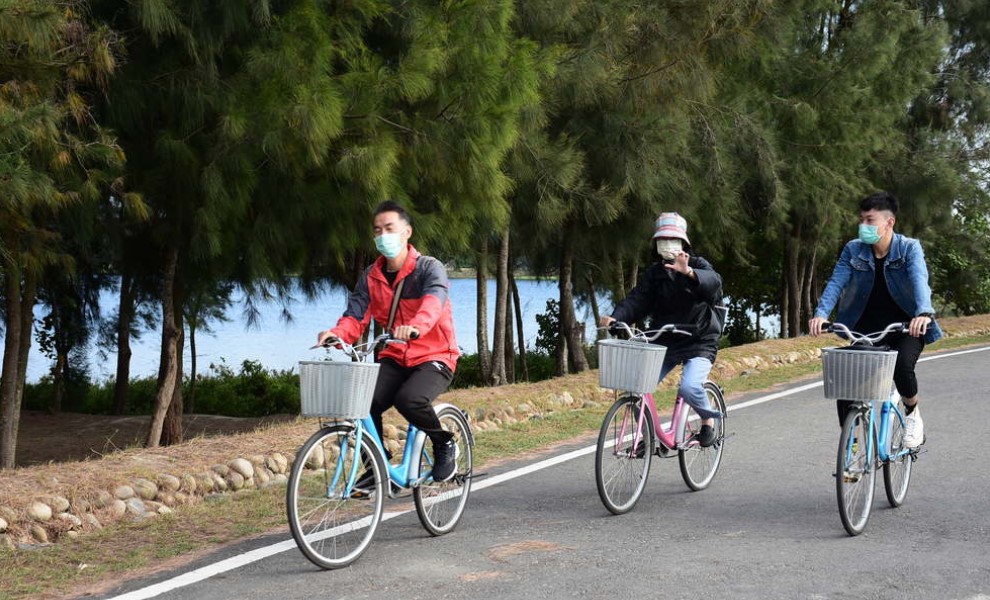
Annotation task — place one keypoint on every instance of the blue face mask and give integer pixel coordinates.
(869, 234)
(389, 244)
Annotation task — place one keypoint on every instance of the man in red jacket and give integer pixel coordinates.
(413, 374)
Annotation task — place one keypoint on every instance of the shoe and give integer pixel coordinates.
(444, 461)
(706, 437)
(365, 485)
(914, 429)
(640, 450)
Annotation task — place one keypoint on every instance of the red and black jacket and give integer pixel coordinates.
(424, 304)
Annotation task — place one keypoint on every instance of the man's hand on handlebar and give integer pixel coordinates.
(605, 322)
(919, 326)
(327, 339)
(405, 332)
(816, 325)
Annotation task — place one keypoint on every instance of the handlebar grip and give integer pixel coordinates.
(414, 335)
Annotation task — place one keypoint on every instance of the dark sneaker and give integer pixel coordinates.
(706, 437)
(364, 486)
(444, 460)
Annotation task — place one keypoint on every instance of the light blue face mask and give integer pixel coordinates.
(869, 234)
(389, 244)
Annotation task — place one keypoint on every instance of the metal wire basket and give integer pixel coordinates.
(858, 374)
(629, 366)
(340, 390)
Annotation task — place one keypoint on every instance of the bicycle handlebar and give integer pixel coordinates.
(646, 336)
(867, 339)
(361, 351)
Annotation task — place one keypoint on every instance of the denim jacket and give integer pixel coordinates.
(852, 281)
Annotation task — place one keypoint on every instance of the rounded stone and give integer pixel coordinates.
(103, 499)
(235, 480)
(281, 461)
(7, 543)
(243, 467)
(118, 508)
(390, 431)
(220, 470)
(72, 534)
(81, 505)
(145, 489)
(204, 483)
(181, 498)
(71, 519)
(123, 492)
(91, 520)
(135, 506)
(315, 459)
(188, 484)
(169, 483)
(219, 484)
(59, 504)
(8, 513)
(3, 525)
(38, 533)
(39, 511)
(281, 479)
(262, 476)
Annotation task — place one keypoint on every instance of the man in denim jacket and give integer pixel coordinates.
(881, 278)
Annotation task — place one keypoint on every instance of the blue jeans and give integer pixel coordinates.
(692, 387)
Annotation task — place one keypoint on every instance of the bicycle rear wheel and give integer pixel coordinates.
(699, 465)
(854, 472)
(331, 524)
(621, 464)
(897, 468)
(440, 505)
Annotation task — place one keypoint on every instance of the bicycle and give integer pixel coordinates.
(632, 433)
(872, 434)
(331, 521)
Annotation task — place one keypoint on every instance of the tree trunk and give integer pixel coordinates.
(191, 408)
(499, 370)
(28, 297)
(168, 366)
(60, 368)
(595, 312)
(10, 409)
(807, 300)
(481, 279)
(519, 326)
(172, 432)
(510, 349)
(793, 274)
(125, 316)
(569, 327)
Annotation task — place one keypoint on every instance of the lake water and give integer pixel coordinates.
(280, 345)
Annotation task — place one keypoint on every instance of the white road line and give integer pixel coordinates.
(240, 560)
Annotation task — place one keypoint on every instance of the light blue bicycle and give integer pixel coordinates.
(873, 429)
(340, 476)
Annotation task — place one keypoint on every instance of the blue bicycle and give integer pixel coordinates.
(873, 428)
(340, 476)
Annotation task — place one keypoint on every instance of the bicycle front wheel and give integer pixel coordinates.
(698, 464)
(897, 469)
(331, 523)
(440, 505)
(855, 472)
(623, 455)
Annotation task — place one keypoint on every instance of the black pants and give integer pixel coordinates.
(411, 390)
(908, 350)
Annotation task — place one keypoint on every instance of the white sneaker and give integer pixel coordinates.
(914, 429)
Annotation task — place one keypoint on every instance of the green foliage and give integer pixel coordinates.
(549, 324)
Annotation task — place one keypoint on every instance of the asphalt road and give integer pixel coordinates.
(767, 527)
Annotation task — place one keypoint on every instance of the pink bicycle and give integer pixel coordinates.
(632, 433)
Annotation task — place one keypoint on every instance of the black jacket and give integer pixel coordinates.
(668, 297)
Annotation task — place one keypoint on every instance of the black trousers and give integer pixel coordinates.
(908, 350)
(412, 390)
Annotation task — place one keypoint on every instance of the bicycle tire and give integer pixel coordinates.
(855, 472)
(897, 467)
(333, 529)
(620, 473)
(440, 505)
(699, 465)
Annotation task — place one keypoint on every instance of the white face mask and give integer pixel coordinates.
(668, 248)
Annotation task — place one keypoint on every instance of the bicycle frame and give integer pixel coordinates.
(666, 437)
(887, 409)
(405, 474)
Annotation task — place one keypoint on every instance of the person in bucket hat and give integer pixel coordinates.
(684, 290)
